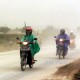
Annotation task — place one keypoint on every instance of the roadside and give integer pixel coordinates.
(6, 47)
(70, 71)
(46, 64)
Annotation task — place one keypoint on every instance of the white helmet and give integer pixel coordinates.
(71, 32)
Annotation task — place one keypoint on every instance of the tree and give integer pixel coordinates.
(4, 29)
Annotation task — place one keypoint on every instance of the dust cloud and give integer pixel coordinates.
(77, 42)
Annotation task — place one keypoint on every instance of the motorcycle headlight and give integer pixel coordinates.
(71, 41)
(61, 40)
(25, 43)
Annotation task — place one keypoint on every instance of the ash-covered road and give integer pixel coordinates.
(47, 63)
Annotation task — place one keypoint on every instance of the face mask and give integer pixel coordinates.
(28, 33)
(62, 33)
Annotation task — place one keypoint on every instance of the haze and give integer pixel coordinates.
(40, 13)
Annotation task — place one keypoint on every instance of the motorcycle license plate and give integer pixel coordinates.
(25, 49)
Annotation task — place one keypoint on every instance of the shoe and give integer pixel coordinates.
(33, 61)
(30, 66)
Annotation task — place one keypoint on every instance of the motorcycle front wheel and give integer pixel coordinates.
(63, 55)
(23, 64)
(59, 52)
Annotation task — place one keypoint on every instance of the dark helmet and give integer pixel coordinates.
(62, 31)
(28, 30)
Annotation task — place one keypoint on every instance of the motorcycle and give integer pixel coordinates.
(25, 54)
(60, 48)
(72, 44)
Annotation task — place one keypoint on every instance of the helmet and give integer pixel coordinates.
(71, 31)
(62, 31)
(28, 30)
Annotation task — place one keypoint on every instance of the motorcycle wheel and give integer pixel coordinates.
(63, 55)
(23, 64)
(59, 53)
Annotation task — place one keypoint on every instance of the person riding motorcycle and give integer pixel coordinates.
(66, 39)
(35, 48)
(72, 36)
(72, 40)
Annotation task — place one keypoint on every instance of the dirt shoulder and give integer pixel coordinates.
(70, 71)
(4, 48)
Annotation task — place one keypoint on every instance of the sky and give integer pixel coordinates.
(40, 13)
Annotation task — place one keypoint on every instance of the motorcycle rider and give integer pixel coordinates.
(72, 39)
(66, 39)
(72, 36)
(35, 48)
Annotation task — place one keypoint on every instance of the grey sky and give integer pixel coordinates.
(42, 13)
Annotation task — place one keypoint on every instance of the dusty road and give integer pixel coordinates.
(46, 64)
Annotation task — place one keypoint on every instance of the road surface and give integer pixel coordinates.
(47, 63)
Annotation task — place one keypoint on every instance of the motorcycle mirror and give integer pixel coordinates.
(35, 38)
(54, 36)
(17, 38)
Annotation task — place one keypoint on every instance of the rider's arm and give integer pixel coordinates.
(34, 40)
(57, 39)
(22, 39)
(68, 39)
(18, 40)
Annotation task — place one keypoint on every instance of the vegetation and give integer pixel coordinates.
(8, 40)
(4, 29)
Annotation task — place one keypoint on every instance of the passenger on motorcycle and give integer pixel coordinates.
(34, 47)
(66, 39)
(72, 36)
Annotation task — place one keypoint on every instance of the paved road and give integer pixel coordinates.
(47, 63)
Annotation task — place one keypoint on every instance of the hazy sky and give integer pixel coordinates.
(42, 13)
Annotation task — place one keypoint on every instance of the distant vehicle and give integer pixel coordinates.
(72, 40)
(60, 49)
(72, 44)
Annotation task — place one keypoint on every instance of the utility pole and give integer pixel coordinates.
(25, 24)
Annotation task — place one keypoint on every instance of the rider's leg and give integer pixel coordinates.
(56, 50)
(29, 58)
(20, 54)
(65, 49)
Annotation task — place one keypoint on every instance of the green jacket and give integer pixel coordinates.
(35, 48)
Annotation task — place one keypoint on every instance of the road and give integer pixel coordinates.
(47, 63)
